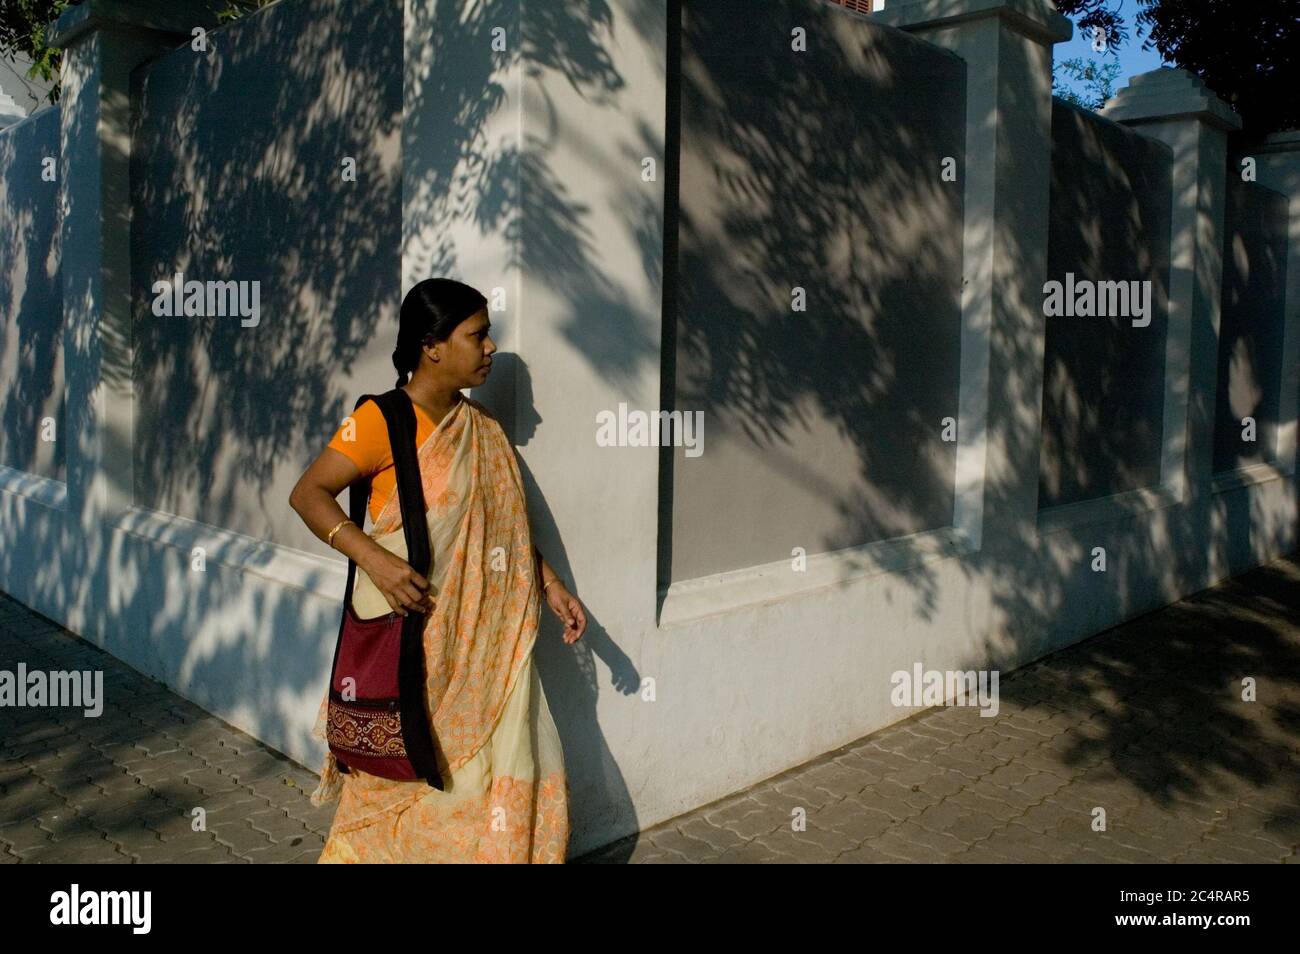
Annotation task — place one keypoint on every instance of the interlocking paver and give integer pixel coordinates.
(1012, 776)
(1255, 850)
(963, 762)
(808, 846)
(689, 849)
(835, 779)
(729, 810)
(865, 854)
(1040, 784)
(802, 794)
(972, 827)
(24, 836)
(759, 822)
(1011, 730)
(720, 839)
(852, 818)
(179, 851)
(239, 836)
(1008, 796)
(911, 847)
(911, 794)
(918, 775)
(867, 769)
(891, 805)
(944, 783)
(911, 745)
(748, 853)
(210, 781)
(993, 807)
(1044, 817)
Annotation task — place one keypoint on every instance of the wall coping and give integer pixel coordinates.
(1035, 19)
(177, 17)
(1288, 140)
(35, 116)
(1168, 93)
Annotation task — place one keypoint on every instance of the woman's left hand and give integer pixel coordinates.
(566, 606)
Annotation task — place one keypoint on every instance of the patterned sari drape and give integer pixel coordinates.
(506, 795)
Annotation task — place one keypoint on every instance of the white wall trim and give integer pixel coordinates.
(271, 561)
(1106, 509)
(689, 600)
(40, 490)
(1246, 476)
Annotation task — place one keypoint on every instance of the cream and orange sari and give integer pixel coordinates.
(506, 794)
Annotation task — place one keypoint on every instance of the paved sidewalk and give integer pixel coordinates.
(122, 786)
(1145, 721)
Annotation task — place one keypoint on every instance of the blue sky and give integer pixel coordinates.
(1132, 58)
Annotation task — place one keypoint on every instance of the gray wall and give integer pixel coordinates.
(236, 174)
(1103, 378)
(818, 169)
(31, 298)
(1250, 329)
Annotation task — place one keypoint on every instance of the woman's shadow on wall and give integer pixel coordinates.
(570, 676)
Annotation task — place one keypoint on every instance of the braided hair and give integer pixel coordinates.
(430, 313)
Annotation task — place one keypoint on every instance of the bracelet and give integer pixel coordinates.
(329, 538)
(554, 579)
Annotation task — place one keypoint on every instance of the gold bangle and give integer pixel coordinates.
(329, 538)
(554, 579)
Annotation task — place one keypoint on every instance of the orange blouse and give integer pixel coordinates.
(370, 451)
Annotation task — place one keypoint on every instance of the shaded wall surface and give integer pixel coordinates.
(819, 170)
(31, 298)
(1103, 378)
(239, 172)
(1251, 324)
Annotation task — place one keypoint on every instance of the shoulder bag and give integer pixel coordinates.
(377, 719)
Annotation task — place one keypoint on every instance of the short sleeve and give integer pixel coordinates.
(366, 442)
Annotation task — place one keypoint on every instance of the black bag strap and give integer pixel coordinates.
(399, 412)
(399, 415)
(358, 498)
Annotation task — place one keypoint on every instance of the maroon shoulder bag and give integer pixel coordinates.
(377, 719)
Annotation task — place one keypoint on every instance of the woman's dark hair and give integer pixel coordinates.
(430, 312)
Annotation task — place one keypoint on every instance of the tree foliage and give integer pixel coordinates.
(1098, 78)
(25, 25)
(1244, 50)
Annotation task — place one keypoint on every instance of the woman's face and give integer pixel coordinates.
(466, 356)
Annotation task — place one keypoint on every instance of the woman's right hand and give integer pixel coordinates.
(405, 590)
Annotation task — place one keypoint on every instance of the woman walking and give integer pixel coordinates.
(505, 794)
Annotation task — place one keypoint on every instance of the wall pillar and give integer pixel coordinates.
(102, 42)
(1007, 45)
(1175, 107)
(1277, 167)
